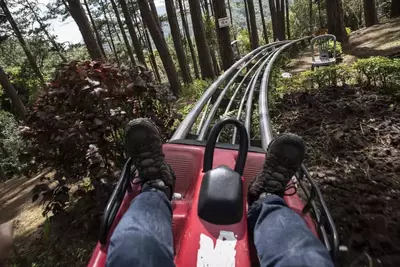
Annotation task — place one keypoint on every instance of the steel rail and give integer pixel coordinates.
(266, 137)
(200, 128)
(241, 83)
(211, 115)
(250, 87)
(189, 120)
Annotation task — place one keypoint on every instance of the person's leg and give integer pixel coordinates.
(143, 237)
(281, 236)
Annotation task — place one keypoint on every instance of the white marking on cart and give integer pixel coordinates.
(222, 255)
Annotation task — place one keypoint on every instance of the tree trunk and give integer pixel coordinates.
(176, 36)
(395, 9)
(21, 40)
(95, 30)
(153, 9)
(335, 20)
(121, 26)
(310, 13)
(3, 176)
(189, 39)
(246, 8)
(281, 18)
(78, 14)
(274, 19)
(110, 32)
(370, 15)
(321, 24)
(12, 94)
(265, 32)
(287, 19)
(231, 18)
(135, 41)
(224, 38)
(253, 24)
(152, 57)
(161, 45)
(56, 46)
(203, 49)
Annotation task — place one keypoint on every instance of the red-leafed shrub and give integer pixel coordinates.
(76, 126)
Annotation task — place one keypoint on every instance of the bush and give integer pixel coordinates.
(76, 126)
(339, 49)
(379, 72)
(374, 72)
(11, 144)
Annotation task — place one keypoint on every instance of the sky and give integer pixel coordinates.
(67, 31)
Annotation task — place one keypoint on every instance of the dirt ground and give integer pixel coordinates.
(379, 40)
(354, 154)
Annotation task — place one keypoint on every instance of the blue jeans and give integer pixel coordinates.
(144, 235)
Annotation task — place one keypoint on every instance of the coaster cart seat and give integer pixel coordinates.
(209, 204)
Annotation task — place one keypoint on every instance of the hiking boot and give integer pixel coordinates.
(284, 157)
(143, 144)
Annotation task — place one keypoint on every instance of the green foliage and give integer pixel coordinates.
(348, 31)
(379, 72)
(375, 72)
(339, 49)
(194, 90)
(11, 144)
(244, 41)
(189, 96)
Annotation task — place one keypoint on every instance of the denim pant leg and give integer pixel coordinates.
(143, 237)
(282, 238)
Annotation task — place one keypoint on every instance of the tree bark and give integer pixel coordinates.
(253, 24)
(78, 14)
(335, 20)
(281, 19)
(110, 32)
(395, 9)
(370, 15)
(176, 36)
(231, 18)
(12, 94)
(21, 40)
(121, 27)
(161, 45)
(153, 9)
(274, 19)
(135, 41)
(95, 30)
(203, 49)
(189, 39)
(224, 38)
(3, 176)
(246, 8)
(152, 57)
(310, 13)
(265, 32)
(287, 19)
(42, 26)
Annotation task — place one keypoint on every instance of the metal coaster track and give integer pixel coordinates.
(256, 64)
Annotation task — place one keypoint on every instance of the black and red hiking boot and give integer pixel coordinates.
(143, 144)
(284, 157)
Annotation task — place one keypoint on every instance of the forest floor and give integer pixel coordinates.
(379, 40)
(353, 137)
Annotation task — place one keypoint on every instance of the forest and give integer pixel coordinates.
(74, 72)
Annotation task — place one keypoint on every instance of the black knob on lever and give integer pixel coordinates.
(212, 140)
